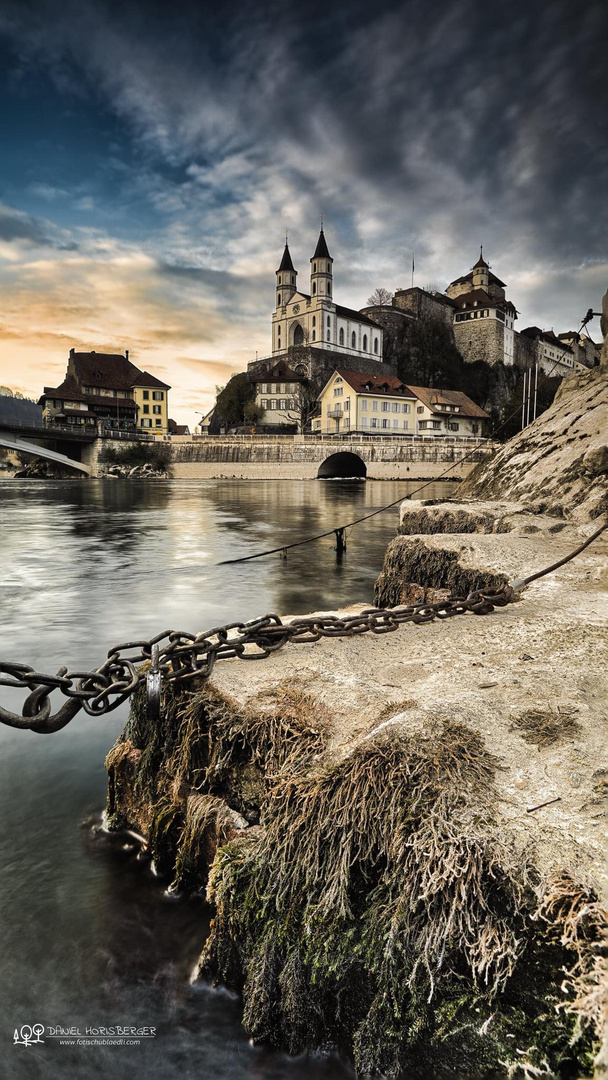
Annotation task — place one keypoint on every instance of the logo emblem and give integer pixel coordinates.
(296, 308)
(27, 1035)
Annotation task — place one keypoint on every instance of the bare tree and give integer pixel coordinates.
(380, 298)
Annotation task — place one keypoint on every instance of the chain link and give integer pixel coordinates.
(178, 656)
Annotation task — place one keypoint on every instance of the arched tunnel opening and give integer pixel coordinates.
(343, 465)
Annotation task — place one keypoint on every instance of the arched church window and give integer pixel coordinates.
(314, 287)
(375, 345)
(293, 280)
(314, 320)
(341, 336)
(365, 343)
(279, 298)
(328, 289)
(314, 334)
(280, 281)
(314, 268)
(353, 340)
(298, 335)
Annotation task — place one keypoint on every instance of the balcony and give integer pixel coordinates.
(335, 413)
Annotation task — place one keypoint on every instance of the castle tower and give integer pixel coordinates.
(481, 273)
(321, 272)
(286, 278)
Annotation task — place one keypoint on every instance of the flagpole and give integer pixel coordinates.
(412, 269)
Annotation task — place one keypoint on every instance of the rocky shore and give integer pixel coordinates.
(403, 836)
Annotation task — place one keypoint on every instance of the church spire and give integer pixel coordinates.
(321, 271)
(321, 250)
(286, 278)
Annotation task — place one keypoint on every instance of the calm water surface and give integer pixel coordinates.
(88, 936)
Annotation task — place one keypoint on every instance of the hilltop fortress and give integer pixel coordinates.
(313, 335)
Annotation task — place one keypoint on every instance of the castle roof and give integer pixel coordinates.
(286, 263)
(480, 298)
(469, 277)
(321, 250)
(481, 262)
(68, 389)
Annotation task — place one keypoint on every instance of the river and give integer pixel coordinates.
(89, 937)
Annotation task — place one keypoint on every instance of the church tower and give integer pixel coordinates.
(286, 279)
(321, 272)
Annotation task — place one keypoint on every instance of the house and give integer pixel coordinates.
(448, 412)
(177, 429)
(107, 387)
(351, 401)
(384, 405)
(554, 356)
(279, 393)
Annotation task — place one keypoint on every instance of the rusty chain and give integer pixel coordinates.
(177, 656)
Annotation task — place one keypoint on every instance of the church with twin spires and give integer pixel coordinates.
(313, 319)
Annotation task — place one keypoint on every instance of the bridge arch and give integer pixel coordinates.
(343, 464)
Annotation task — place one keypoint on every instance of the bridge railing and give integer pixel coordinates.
(84, 430)
(469, 440)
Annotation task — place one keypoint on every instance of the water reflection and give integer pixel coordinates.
(88, 935)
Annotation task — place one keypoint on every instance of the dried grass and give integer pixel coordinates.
(545, 727)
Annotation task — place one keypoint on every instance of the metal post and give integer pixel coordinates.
(535, 386)
(528, 396)
(523, 404)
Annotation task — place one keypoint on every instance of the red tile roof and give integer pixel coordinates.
(68, 389)
(434, 398)
(375, 384)
(145, 379)
(280, 372)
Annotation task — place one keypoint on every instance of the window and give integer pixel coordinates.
(263, 388)
(265, 403)
(435, 424)
(406, 425)
(422, 425)
(328, 320)
(147, 408)
(395, 406)
(281, 388)
(282, 403)
(364, 404)
(347, 403)
(314, 268)
(395, 423)
(158, 395)
(280, 279)
(292, 388)
(328, 288)
(375, 345)
(385, 423)
(293, 280)
(453, 427)
(146, 395)
(314, 287)
(364, 421)
(353, 340)
(420, 408)
(279, 299)
(374, 421)
(365, 343)
(314, 320)
(314, 335)
(338, 391)
(158, 423)
(374, 406)
(329, 335)
(156, 409)
(146, 423)
(273, 403)
(406, 407)
(386, 406)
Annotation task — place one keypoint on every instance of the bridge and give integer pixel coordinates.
(306, 457)
(32, 439)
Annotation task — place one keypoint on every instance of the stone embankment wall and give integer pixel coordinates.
(286, 459)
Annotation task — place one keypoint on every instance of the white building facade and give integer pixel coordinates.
(314, 318)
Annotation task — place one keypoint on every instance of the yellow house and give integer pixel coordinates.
(369, 404)
(152, 399)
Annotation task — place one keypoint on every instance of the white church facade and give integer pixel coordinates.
(314, 319)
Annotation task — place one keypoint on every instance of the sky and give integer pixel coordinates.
(153, 155)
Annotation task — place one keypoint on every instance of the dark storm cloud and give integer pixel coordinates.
(16, 226)
(426, 125)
